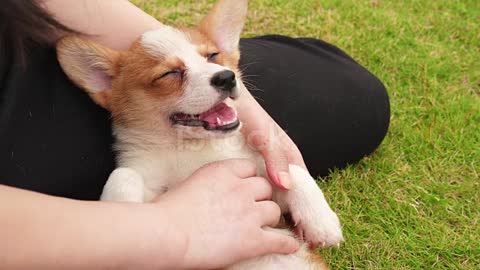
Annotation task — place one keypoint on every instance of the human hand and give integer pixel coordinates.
(220, 213)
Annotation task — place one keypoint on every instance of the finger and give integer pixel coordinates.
(269, 213)
(260, 188)
(242, 168)
(280, 242)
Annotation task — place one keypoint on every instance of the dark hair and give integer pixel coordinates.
(23, 22)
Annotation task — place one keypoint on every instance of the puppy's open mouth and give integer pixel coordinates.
(219, 118)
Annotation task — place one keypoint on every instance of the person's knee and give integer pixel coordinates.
(357, 122)
(376, 111)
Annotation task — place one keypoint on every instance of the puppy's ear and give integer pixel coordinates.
(89, 65)
(224, 24)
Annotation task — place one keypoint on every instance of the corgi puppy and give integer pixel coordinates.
(172, 99)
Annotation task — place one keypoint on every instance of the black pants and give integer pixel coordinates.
(334, 109)
(56, 141)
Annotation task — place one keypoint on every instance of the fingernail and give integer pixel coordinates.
(285, 181)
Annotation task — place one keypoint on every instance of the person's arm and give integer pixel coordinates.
(263, 133)
(178, 231)
(113, 23)
(44, 232)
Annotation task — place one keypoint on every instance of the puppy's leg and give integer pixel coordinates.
(124, 185)
(313, 218)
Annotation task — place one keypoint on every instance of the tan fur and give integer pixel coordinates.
(137, 92)
(223, 13)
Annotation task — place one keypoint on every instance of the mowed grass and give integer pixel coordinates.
(415, 203)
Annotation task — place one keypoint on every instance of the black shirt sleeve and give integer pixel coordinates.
(53, 138)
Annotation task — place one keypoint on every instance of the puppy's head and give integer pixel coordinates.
(171, 79)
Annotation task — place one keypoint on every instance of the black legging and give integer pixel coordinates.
(334, 109)
(56, 141)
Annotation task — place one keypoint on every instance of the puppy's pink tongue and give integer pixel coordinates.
(220, 115)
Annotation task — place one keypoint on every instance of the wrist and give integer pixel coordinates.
(253, 116)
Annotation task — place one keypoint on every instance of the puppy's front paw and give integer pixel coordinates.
(317, 224)
(124, 185)
(313, 218)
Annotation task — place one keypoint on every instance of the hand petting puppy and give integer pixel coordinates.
(237, 205)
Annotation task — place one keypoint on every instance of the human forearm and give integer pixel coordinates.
(263, 133)
(43, 232)
(257, 124)
(113, 23)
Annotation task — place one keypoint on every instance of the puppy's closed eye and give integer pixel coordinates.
(171, 73)
(212, 57)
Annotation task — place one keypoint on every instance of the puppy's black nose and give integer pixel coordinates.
(224, 81)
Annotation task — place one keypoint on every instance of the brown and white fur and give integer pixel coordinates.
(169, 71)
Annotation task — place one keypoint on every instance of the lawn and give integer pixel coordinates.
(415, 203)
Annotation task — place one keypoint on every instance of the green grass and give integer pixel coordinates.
(415, 203)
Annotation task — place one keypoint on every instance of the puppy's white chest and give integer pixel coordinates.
(163, 169)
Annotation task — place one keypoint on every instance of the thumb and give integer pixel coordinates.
(280, 242)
